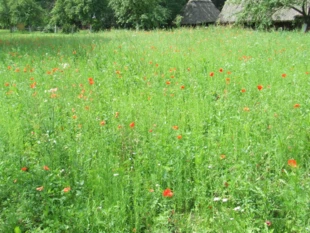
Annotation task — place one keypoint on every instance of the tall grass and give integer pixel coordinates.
(191, 130)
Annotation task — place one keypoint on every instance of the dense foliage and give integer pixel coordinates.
(96, 14)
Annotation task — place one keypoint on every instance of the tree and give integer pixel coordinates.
(145, 14)
(260, 11)
(174, 8)
(95, 13)
(13, 12)
(5, 14)
(76, 13)
(27, 12)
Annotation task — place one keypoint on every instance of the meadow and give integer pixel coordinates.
(189, 130)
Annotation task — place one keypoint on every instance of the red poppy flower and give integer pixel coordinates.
(33, 85)
(292, 163)
(132, 125)
(268, 223)
(260, 87)
(283, 75)
(296, 105)
(175, 127)
(102, 123)
(182, 87)
(220, 70)
(167, 193)
(211, 74)
(91, 81)
(67, 189)
(40, 188)
(24, 169)
(243, 90)
(168, 82)
(46, 168)
(179, 137)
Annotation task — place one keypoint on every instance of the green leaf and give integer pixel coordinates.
(17, 230)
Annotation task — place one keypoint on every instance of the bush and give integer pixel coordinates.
(67, 28)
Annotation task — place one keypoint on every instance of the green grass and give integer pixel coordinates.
(222, 151)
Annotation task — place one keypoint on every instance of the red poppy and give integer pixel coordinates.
(182, 87)
(211, 74)
(268, 223)
(175, 127)
(292, 163)
(220, 70)
(102, 123)
(6, 84)
(67, 189)
(168, 82)
(179, 137)
(24, 169)
(283, 75)
(243, 90)
(40, 188)
(260, 87)
(33, 85)
(46, 168)
(246, 109)
(167, 193)
(91, 81)
(132, 125)
(227, 80)
(296, 105)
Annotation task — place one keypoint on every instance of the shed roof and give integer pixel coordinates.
(199, 12)
(229, 13)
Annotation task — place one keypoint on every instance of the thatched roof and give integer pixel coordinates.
(285, 15)
(199, 12)
(230, 12)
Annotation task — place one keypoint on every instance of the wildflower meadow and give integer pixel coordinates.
(167, 131)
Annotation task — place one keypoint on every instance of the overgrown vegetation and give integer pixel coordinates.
(192, 130)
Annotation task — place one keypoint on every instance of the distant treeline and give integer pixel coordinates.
(71, 15)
